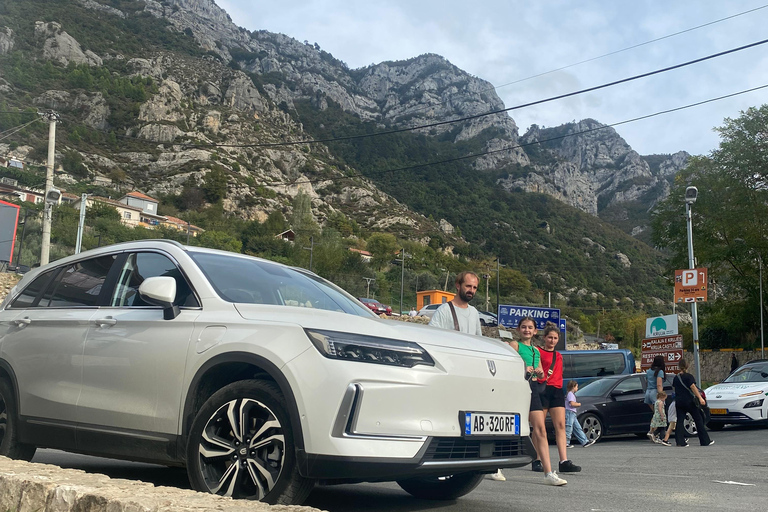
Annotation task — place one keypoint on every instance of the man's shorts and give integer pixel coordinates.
(552, 397)
(535, 400)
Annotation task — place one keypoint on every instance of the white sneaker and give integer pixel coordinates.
(498, 475)
(589, 443)
(553, 479)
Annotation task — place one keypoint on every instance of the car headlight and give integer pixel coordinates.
(753, 393)
(369, 349)
(754, 403)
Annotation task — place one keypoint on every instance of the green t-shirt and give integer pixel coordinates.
(529, 354)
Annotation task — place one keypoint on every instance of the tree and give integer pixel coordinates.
(219, 240)
(215, 185)
(730, 223)
(383, 246)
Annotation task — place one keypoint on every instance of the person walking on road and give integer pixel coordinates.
(552, 397)
(572, 425)
(526, 329)
(655, 384)
(687, 400)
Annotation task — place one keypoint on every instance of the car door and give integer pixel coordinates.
(626, 407)
(44, 341)
(134, 360)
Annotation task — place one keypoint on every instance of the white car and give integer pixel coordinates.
(428, 310)
(740, 398)
(260, 378)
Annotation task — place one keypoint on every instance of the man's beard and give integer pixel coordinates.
(466, 296)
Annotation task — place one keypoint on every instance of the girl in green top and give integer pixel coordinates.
(527, 330)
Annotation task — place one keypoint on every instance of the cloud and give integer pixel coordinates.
(504, 41)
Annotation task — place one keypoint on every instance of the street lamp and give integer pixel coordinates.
(691, 193)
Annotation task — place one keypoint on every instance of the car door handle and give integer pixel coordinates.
(22, 322)
(105, 322)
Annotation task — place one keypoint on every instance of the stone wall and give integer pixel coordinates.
(715, 366)
(28, 487)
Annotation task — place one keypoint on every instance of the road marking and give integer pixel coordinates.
(729, 482)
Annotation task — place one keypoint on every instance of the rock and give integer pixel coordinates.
(6, 40)
(163, 106)
(53, 99)
(96, 108)
(96, 6)
(160, 132)
(446, 227)
(60, 47)
(243, 95)
(623, 260)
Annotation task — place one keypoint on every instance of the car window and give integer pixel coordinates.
(78, 285)
(594, 365)
(252, 281)
(596, 388)
(27, 296)
(138, 267)
(630, 385)
(752, 373)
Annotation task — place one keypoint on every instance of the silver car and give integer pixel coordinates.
(259, 378)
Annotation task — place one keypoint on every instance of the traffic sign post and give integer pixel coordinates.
(691, 285)
(669, 347)
(510, 316)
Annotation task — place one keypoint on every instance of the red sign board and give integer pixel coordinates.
(691, 285)
(669, 347)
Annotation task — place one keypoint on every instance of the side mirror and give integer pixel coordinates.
(160, 291)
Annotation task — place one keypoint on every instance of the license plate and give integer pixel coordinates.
(718, 411)
(491, 424)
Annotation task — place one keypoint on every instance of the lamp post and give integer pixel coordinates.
(691, 193)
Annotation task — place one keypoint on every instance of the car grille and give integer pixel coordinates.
(452, 448)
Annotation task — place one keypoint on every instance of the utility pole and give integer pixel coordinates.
(487, 278)
(45, 245)
(81, 224)
(311, 250)
(368, 286)
(402, 277)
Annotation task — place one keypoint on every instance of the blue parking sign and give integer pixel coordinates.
(510, 316)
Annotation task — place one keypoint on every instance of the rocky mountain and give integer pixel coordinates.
(158, 94)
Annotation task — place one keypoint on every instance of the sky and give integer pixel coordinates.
(504, 41)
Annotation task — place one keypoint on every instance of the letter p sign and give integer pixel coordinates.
(689, 278)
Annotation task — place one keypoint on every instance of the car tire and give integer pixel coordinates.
(690, 426)
(215, 452)
(441, 488)
(9, 427)
(482, 323)
(592, 426)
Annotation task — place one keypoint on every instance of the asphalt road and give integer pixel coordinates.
(624, 474)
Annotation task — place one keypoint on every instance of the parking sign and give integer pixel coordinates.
(510, 316)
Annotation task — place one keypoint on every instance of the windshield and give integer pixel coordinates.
(751, 373)
(597, 387)
(250, 281)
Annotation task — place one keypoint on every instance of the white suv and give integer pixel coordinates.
(260, 378)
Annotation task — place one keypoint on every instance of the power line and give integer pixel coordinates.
(490, 113)
(10, 131)
(517, 146)
(567, 66)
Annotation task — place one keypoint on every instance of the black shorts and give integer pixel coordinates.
(535, 400)
(552, 397)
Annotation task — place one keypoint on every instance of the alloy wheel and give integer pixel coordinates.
(242, 450)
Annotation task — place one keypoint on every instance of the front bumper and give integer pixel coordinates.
(439, 456)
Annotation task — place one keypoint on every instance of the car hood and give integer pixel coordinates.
(424, 335)
(734, 390)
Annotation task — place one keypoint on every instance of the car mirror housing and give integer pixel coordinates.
(160, 291)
